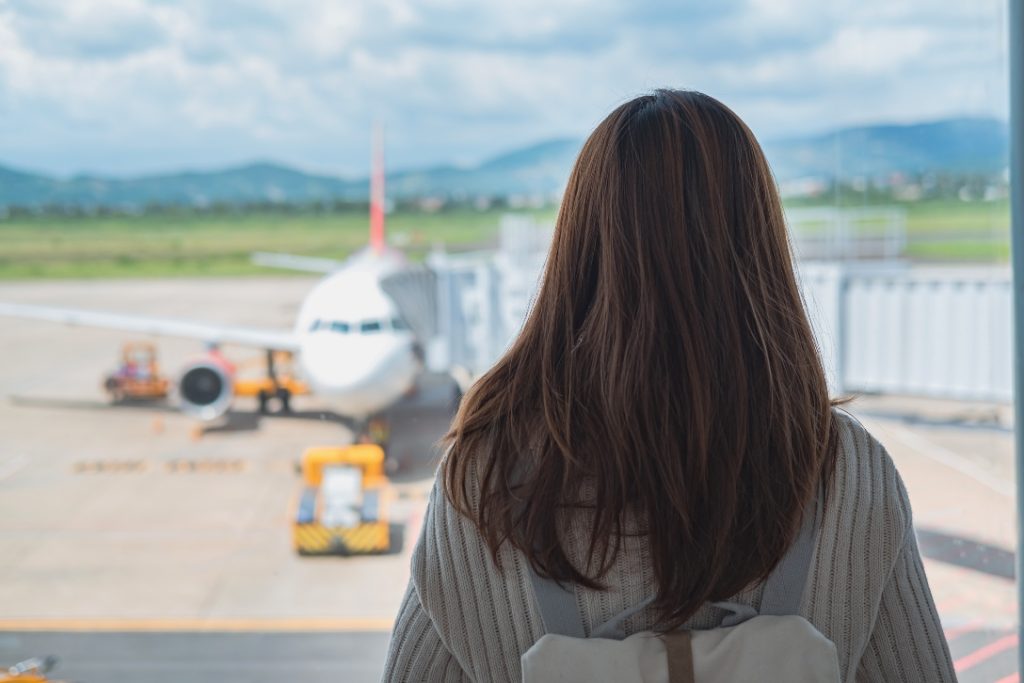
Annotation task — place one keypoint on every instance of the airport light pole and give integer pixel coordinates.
(1016, 54)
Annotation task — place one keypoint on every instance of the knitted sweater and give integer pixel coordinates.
(464, 620)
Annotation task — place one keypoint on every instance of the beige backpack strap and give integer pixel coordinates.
(680, 656)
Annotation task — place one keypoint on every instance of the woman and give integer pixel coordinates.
(659, 428)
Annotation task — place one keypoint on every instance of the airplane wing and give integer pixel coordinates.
(308, 264)
(277, 340)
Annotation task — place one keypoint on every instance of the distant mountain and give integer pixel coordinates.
(955, 145)
(255, 182)
(539, 169)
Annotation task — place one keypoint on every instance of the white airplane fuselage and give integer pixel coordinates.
(354, 348)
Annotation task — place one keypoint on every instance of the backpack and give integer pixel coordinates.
(773, 644)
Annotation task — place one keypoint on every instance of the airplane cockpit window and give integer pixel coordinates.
(315, 326)
(340, 326)
(399, 325)
(369, 326)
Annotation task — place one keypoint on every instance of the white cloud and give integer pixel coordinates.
(130, 85)
(873, 50)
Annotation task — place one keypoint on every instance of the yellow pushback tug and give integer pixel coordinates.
(343, 508)
(32, 670)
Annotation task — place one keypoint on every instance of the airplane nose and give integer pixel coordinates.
(349, 367)
(333, 369)
(343, 381)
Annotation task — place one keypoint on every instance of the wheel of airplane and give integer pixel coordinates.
(285, 397)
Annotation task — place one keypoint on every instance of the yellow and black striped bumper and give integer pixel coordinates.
(364, 539)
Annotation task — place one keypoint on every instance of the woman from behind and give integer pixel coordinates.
(659, 429)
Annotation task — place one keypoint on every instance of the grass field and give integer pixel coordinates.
(940, 230)
(189, 244)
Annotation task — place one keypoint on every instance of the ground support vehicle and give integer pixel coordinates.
(138, 377)
(344, 505)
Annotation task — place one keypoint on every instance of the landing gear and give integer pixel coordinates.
(277, 391)
(377, 430)
(281, 394)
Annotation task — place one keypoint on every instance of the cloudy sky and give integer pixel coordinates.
(132, 86)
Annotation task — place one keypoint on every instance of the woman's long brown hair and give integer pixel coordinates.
(666, 373)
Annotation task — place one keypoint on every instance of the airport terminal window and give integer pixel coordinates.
(884, 124)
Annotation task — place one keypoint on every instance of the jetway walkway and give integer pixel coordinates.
(883, 326)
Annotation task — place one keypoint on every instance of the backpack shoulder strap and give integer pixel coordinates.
(784, 588)
(557, 603)
(561, 614)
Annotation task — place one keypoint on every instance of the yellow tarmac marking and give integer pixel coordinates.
(214, 466)
(109, 466)
(178, 466)
(286, 624)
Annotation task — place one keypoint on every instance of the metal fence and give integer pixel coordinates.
(890, 327)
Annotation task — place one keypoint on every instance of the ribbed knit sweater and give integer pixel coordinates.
(464, 620)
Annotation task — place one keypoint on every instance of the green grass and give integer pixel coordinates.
(949, 216)
(946, 230)
(960, 251)
(935, 217)
(191, 245)
(169, 244)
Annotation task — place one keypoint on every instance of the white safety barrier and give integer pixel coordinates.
(882, 326)
(889, 327)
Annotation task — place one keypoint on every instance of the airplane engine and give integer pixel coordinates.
(207, 387)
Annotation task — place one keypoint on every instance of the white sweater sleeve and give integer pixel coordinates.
(416, 652)
(907, 642)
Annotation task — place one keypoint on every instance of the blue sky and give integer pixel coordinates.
(134, 86)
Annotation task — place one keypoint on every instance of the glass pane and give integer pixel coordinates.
(209, 178)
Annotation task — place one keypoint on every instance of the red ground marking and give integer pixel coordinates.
(983, 653)
(1012, 678)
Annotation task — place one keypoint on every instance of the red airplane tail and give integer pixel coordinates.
(377, 191)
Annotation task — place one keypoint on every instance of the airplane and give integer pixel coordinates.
(353, 344)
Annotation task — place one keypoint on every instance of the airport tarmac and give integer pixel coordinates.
(134, 568)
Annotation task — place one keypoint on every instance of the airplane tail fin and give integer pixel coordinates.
(377, 191)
